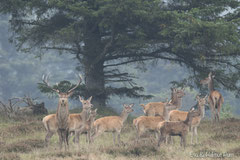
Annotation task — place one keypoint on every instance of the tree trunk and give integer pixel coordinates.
(95, 84)
(94, 74)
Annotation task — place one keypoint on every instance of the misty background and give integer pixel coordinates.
(20, 73)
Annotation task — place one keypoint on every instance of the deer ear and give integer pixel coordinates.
(95, 110)
(131, 105)
(89, 99)
(80, 99)
(142, 105)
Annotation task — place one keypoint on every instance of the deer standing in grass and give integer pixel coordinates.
(112, 124)
(88, 125)
(61, 119)
(149, 123)
(176, 115)
(215, 98)
(176, 128)
(75, 122)
(156, 108)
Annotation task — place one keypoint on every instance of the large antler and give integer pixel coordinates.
(45, 81)
(79, 82)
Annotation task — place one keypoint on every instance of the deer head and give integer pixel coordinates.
(86, 104)
(177, 93)
(208, 79)
(201, 101)
(128, 108)
(63, 96)
(92, 114)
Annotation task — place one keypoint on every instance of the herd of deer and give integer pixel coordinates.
(164, 118)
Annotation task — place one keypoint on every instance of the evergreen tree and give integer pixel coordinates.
(106, 34)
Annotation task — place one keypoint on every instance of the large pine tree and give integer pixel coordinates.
(106, 34)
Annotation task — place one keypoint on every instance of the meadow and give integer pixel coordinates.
(23, 139)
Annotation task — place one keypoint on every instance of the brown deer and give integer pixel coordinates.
(112, 124)
(88, 125)
(176, 128)
(62, 115)
(176, 115)
(156, 108)
(215, 98)
(75, 120)
(150, 123)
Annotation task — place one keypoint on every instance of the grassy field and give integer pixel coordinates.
(24, 139)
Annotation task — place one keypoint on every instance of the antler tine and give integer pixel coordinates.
(79, 82)
(45, 81)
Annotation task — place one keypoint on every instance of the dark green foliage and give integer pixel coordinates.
(103, 35)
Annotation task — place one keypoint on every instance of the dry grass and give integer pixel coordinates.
(25, 141)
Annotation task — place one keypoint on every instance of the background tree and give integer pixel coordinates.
(106, 34)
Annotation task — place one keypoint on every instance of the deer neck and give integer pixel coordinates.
(177, 102)
(62, 116)
(124, 116)
(188, 120)
(166, 111)
(210, 86)
(84, 114)
(201, 110)
(91, 120)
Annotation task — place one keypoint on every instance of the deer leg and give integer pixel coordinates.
(48, 137)
(161, 138)
(96, 134)
(114, 138)
(60, 136)
(77, 136)
(196, 134)
(66, 138)
(118, 136)
(183, 139)
(88, 137)
(219, 109)
(71, 134)
(192, 135)
(211, 104)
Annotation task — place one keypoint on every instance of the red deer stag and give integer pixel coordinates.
(76, 120)
(62, 114)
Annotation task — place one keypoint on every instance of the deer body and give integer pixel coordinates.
(75, 121)
(150, 123)
(111, 123)
(89, 125)
(215, 98)
(176, 115)
(157, 108)
(62, 115)
(176, 128)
